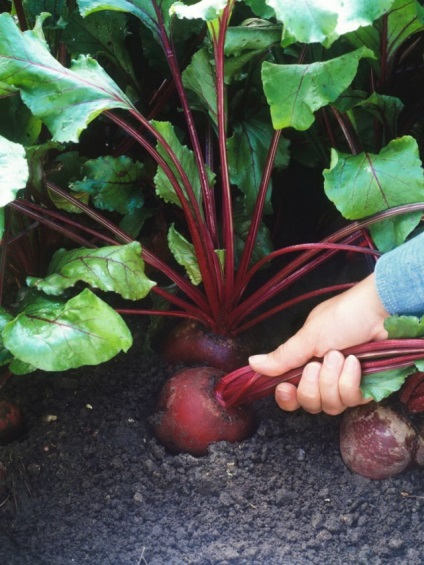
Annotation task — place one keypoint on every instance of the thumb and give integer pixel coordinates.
(290, 355)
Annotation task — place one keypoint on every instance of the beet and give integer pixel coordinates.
(11, 422)
(191, 343)
(189, 417)
(376, 441)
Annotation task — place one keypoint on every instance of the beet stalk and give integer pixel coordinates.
(245, 385)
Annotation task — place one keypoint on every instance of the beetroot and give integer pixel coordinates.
(191, 343)
(11, 422)
(189, 417)
(376, 441)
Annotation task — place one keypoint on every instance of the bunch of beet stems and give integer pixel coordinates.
(244, 385)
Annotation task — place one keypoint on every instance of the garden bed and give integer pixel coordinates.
(88, 484)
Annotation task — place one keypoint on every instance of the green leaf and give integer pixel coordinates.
(13, 170)
(187, 159)
(199, 78)
(113, 183)
(260, 8)
(17, 123)
(101, 34)
(364, 184)
(57, 337)
(57, 9)
(405, 19)
(5, 355)
(254, 35)
(18, 367)
(263, 243)
(381, 385)
(38, 156)
(116, 268)
(142, 9)
(320, 21)
(246, 43)
(399, 327)
(7, 90)
(184, 254)
(386, 109)
(66, 100)
(349, 99)
(206, 10)
(247, 153)
(133, 222)
(295, 92)
(67, 169)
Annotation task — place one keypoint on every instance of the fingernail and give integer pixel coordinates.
(282, 393)
(258, 358)
(333, 359)
(351, 363)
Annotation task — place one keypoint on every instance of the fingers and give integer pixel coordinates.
(295, 352)
(349, 383)
(330, 387)
(286, 397)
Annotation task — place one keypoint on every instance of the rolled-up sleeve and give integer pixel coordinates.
(399, 278)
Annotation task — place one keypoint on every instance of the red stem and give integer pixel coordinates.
(348, 131)
(292, 272)
(227, 215)
(21, 206)
(200, 235)
(210, 212)
(250, 304)
(256, 218)
(245, 385)
(192, 292)
(289, 303)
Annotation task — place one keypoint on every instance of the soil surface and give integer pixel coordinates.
(89, 485)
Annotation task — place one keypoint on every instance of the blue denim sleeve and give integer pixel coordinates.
(399, 278)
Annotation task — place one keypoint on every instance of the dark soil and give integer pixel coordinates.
(89, 485)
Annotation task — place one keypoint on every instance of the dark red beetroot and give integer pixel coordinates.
(189, 417)
(11, 422)
(376, 441)
(191, 343)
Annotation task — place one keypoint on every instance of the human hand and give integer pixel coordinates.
(351, 318)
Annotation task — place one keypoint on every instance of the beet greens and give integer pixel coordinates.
(127, 122)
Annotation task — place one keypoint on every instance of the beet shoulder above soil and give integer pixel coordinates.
(88, 484)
